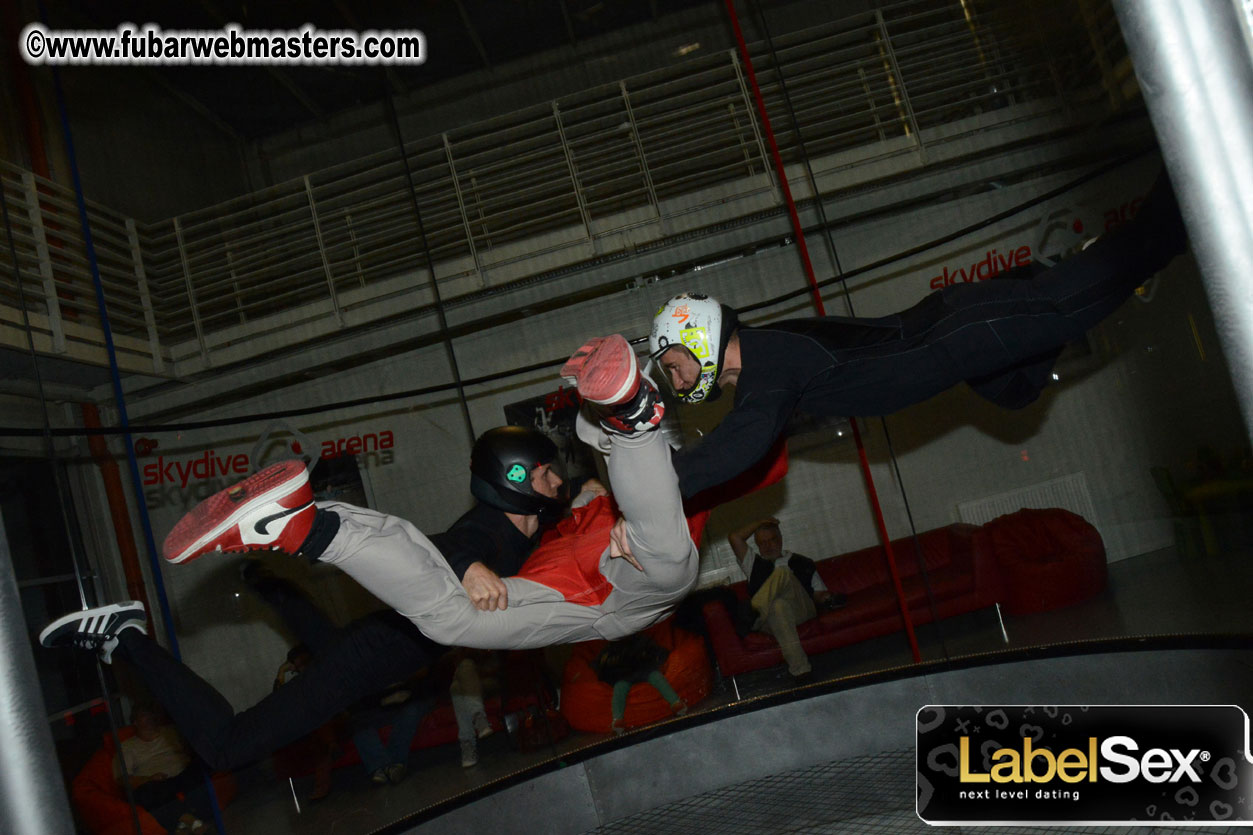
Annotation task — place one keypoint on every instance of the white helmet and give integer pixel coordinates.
(701, 325)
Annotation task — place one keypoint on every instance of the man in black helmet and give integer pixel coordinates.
(511, 476)
(611, 569)
(1000, 336)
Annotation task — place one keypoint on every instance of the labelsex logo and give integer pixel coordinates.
(1072, 765)
(1108, 764)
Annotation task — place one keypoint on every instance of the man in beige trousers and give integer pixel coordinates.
(784, 588)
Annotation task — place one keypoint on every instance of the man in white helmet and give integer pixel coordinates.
(1000, 336)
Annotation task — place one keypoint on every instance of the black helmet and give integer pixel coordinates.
(500, 469)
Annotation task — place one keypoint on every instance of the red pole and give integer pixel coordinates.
(799, 234)
(123, 533)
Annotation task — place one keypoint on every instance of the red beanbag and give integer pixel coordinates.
(586, 701)
(1049, 559)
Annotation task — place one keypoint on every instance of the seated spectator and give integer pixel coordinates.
(466, 692)
(162, 777)
(632, 660)
(399, 708)
(298, 659)
(319, 746)
(784, 588)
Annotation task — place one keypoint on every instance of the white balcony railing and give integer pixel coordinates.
(564, 180)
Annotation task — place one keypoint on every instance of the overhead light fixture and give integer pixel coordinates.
(687, 49)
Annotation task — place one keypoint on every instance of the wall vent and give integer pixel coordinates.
(1070, 492)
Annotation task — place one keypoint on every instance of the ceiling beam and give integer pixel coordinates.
(282, 77)
(565, 13)
(195, 104)
(393, 78)
(285, 81)
(158, 77)
(474, 35)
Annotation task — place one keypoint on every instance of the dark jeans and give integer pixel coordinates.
(1000, 336)
(350, 663)
(160, 797)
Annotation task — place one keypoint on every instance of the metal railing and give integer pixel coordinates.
(548, 185)
(56, 282)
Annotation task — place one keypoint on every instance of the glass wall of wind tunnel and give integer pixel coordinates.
(1114, 503)
(919, 120)
(45, 548)
(1137, 432)
(1115, 496)
(49, 479)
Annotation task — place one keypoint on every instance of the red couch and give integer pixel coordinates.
(1029, 561)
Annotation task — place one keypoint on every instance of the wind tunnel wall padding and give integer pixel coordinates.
(586, 700)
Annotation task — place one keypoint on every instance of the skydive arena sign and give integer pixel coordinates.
(1144, 764)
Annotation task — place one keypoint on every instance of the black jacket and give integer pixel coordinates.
(484, 534)
(787, 365)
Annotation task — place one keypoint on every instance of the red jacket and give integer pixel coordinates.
(568, 557)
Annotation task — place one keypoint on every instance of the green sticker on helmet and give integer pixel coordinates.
(516, 474)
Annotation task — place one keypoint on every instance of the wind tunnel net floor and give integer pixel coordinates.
(830, 798)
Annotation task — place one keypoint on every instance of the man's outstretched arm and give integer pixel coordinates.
(742, 439)
(738, 539)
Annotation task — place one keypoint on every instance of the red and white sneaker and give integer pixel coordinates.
(606, 373)
(269, 510)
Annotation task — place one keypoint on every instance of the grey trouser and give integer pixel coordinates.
(398, 564)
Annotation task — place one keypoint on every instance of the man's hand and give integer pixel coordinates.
(620, 544)
(738, 539)
(589, 492)
(487, 591)
(829, 601)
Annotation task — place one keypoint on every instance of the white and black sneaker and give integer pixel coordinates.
(96, 629)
